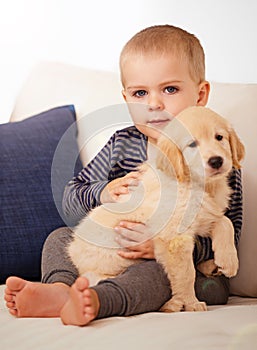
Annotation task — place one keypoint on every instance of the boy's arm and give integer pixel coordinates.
(122, 154)
(235, 211)
(82, 193)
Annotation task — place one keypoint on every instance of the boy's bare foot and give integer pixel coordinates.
(34, 299)
(82, 306)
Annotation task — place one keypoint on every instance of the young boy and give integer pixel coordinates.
(162, 67)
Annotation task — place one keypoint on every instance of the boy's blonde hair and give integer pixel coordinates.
(167, 39)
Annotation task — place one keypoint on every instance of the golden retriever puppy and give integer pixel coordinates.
(184, 194)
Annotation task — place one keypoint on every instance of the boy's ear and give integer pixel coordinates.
(204, 90)
(124, 95)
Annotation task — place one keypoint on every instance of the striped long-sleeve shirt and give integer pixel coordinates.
(125, 150)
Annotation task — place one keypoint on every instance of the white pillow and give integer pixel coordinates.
(52, 84)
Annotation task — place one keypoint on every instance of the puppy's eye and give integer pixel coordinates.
(218, 137)
(192, 144)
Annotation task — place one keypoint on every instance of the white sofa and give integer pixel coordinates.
(231, 326)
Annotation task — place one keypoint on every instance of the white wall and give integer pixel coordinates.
(92, 33)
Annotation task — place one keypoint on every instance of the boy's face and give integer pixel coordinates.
(157, 89)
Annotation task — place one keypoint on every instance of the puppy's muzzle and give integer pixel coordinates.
(215, 162)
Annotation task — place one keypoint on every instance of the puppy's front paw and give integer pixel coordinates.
(227, 262)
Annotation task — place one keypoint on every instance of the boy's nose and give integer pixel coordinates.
(155, 102)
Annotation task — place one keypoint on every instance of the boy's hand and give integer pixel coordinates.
(114, 189)
(136, 239)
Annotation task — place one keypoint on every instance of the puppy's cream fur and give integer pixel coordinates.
(183, 195)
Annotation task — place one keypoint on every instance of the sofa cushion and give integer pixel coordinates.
(29, 211)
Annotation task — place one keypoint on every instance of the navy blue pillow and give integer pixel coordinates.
(28, 209)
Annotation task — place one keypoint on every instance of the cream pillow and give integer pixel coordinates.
(52, 84)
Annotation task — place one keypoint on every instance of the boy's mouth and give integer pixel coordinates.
(157, 123)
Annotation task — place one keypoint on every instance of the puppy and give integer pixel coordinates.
(184, 194)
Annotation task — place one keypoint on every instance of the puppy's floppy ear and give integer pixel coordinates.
(170, 159)
(237, 148)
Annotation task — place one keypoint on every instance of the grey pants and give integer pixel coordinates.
(141, 288)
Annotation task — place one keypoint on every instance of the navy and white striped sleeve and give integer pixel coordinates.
(235, 210)
(82, 193)
(125, 150)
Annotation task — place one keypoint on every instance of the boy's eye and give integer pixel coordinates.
(218, 137)
(171, 89)
(139, 93)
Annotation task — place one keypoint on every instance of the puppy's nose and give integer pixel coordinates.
(215, 162)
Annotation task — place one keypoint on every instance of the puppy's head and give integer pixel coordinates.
(199, 142)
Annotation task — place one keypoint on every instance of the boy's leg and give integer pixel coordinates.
(56, 265)
(145, 287)
(34, 299)
(141, 288)
(213, 290)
